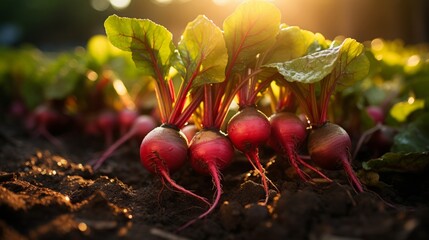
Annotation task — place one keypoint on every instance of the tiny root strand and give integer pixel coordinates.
(305, 164)
(214, 172)
(253, 157)
(294, 159)
(353, 179)
(166, 177)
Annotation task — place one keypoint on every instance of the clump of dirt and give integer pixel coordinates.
(48, 192)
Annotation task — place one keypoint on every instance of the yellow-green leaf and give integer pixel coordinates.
(203, 52)
(250, 30)
(100, 49)
(151, 44)
(401, 110)
(292, 42)
(353, 64)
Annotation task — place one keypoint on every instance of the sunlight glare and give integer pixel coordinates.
(120, 4)
(221, 2)
(225, 2)
(119, 86)
(162, 2)
(122, 91)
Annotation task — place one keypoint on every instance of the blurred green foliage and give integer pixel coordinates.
(50, 24)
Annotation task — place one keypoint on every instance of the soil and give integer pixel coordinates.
(49, 192)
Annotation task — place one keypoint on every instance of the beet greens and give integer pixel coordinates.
(210, 149)
(178, 74)
(209, 68)
(288, 130)
(313, 79)
(249, 35)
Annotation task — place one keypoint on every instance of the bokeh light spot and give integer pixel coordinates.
(120, 4)
(100, 5)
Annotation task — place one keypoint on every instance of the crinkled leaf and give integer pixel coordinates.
(151, 44)
(353, 64)
(347, 59)
(202, 49)
(250, 30)
(399, 162)
(292, 42)
(414, 137)
(310, 68)
(320, 43)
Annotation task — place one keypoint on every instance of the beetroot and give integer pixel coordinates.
(44, 120)
(189, 130)
(165, 150)
(107, 122)
(329, 147)
(248, 129)
(290, 133)
(126, 118)
(209, 148)
(376, 113)
(210, 152)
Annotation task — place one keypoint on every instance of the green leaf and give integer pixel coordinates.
(414, 137)
(401, 110)
(250, 30)
(399, 162)
(292, 42)
(347, 60)
(62, 76)
(418, 84)
(19, 78)
(32, 92)
(151, 44)
(374, 95)
(101, 50)
(309, 68)
(203, 51)
(353, 64)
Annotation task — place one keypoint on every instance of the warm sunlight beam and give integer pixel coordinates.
(162, 2)
(221, 2)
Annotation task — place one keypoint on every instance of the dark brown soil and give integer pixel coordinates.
(48, 192)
